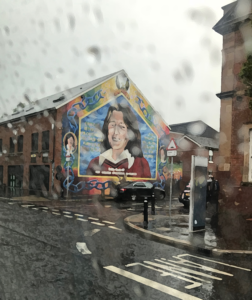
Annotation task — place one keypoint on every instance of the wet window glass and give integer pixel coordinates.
(34, 138)
(20, 143)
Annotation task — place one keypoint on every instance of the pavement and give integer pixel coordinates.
(174, 231)
(224, 234)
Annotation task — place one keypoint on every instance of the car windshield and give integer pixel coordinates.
(125, 149)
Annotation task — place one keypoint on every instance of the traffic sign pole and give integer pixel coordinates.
(171, 189)
(171, 151)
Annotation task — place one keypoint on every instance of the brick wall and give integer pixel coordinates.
(27, 126)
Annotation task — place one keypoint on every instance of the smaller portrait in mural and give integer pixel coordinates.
(162, 166)
(121, 149)
(70, 144)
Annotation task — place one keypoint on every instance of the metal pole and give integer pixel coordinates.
(171, 189)
(145, 214)
(153, 200)
(67, 178)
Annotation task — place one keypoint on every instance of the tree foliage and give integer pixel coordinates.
(246, 77)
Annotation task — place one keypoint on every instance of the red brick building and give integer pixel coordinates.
(195, 138)
(235, 162)
(64, 131)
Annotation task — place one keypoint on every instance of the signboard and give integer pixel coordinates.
(198, 191)
(172, 145)
(172, 153)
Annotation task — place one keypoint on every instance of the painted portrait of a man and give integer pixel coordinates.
(121, 148)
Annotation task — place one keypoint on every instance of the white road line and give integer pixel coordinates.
(77, 215)
(97, 223)
(44, 207)
(107, 206)
(179, 268)
(83, 220)
(57, 214)
(191, 264)
(35, 208)
(214, 261)
(108, 222)
(95, 219)
(26, 206)
(11, 203)
(113, 227)
(67, 212)
(153, 284)
(82, 248)
(44, 210)
(191, 286)
(91, 232)
(67, 216)
(55, 210)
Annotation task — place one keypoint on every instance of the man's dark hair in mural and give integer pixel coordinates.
(121, 150)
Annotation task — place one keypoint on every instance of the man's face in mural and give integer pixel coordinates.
(117, 131)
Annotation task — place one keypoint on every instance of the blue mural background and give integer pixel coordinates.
(91, 137)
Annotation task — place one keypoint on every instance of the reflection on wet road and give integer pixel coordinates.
(47, 256)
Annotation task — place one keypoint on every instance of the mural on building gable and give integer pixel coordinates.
(117, 133)
(115, 140)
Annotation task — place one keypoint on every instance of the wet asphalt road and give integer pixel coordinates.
(39, 260)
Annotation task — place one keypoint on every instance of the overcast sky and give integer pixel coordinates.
(168, 48)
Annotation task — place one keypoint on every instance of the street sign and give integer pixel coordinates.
(172, 145)
(172, 153)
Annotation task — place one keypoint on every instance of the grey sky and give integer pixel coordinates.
(168, 48)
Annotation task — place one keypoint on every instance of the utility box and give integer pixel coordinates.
(198, 193)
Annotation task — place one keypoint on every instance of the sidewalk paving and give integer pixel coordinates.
(209, 241)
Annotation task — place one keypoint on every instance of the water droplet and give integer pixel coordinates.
(75, 51)
(120, 26)
(155, 65)
(85, 8)
(98, 14)
(91, 72)
(7, 30)
(71, 20)
(151, 48)
(180, 102)
(48, 75)
(94, 54)
(196, 128)
(57, 88)
(57, 24)
(60, 70)
(45, 113)
(9, 125)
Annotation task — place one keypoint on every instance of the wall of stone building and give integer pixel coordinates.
(32, 124)
(185, 152)
(235, 111)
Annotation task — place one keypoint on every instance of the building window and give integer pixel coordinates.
(1, 145)
(20, 143)
(35, 142)
(12, 145)
(45, 140)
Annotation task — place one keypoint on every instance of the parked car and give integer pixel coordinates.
(184, 197)
(139, 191)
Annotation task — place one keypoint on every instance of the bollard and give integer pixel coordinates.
(153, 200)
(145, 214)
